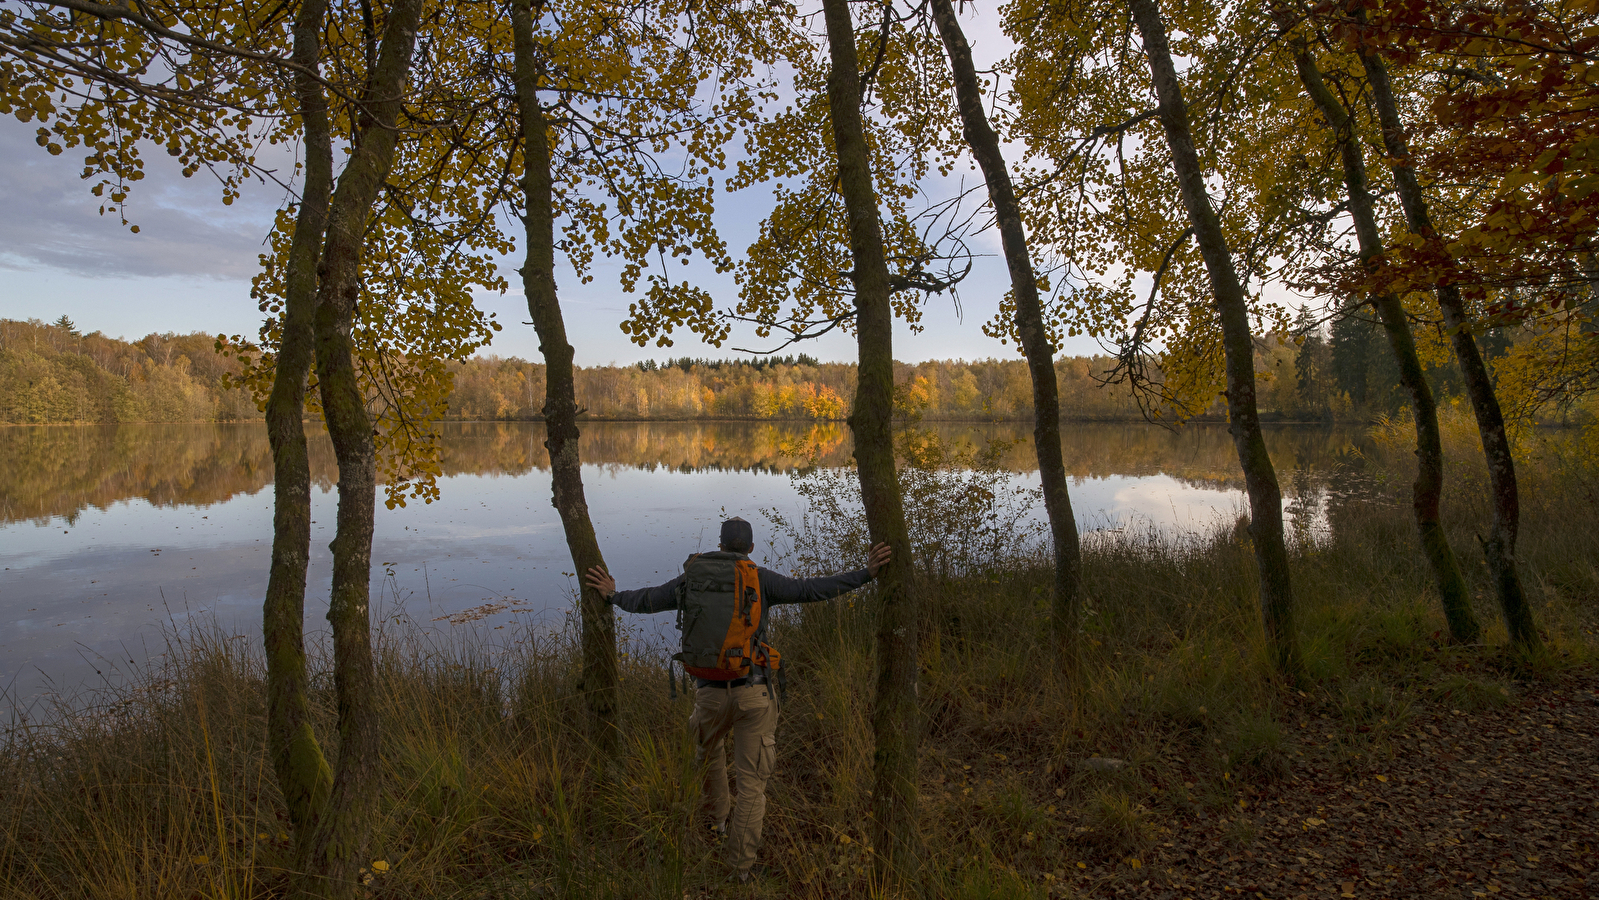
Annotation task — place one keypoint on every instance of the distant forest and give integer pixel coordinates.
(52, 373)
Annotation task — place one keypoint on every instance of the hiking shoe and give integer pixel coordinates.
(748, 875)
(718, 831)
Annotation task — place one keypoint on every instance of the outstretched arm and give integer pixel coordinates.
(660, 598)
(780, 589)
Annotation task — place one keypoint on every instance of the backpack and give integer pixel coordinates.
(719, 612)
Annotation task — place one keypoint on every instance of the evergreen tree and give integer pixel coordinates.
(1353, 334)
(1311, 362)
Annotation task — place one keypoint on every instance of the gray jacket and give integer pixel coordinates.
(776, 590)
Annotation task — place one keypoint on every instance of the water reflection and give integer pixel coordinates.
(107, 534)
(61, 471)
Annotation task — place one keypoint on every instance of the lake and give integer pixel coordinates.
(112, 537)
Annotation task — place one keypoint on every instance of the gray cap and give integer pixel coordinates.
(737, 534)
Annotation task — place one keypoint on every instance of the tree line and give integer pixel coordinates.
(1421, 166)
(50, 373)
(54, 374)
(950, 390)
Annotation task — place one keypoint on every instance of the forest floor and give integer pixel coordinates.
(1485, 802)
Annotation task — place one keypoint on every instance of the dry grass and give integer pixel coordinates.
(162, 789)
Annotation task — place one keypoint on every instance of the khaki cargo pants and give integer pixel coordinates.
(750, 713)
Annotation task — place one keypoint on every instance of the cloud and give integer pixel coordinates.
(51, 222)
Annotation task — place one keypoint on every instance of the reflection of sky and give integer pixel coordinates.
(87, 599)
(1117, 501)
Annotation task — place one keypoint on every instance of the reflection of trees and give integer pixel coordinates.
(1199, 455)
(512, 447)
(61, 470)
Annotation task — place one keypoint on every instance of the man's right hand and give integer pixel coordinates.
(878, 558)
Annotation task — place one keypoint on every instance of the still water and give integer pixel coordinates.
(112, 537)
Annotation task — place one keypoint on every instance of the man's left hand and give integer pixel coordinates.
(600, 580)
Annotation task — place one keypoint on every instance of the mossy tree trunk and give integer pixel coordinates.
(342, 830)
(1427, 492)
(1030, 331)
(297, 760)
(600, 674)
(896, 719)
(1260, 480)
(1499, 548)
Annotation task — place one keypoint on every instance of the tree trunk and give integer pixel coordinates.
(600, 674)
(302, 771)
(1265, 498)
(1500, 546)
(896, 720)
(340, 838)
(1029, 328)
(1427, 491)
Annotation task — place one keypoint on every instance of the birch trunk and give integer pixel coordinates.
(1427, 491)
(1500, 546)
(600, 674)
(1040, 353)
(343, 829)
(1260, 480)
(302, 771)
(896, 719)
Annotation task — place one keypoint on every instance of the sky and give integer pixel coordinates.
(189, 267)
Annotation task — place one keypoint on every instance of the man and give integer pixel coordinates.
(744, 706)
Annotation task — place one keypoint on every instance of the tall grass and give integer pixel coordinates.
(162, 788)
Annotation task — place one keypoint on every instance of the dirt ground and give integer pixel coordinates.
(1493, 802)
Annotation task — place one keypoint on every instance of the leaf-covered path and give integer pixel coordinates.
(1489, 803)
